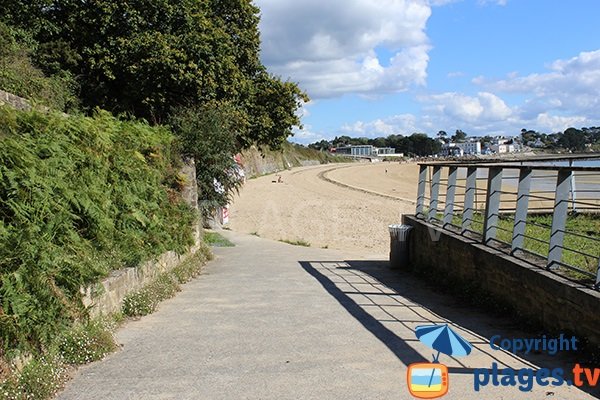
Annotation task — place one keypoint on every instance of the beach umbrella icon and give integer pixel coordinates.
(443, 339)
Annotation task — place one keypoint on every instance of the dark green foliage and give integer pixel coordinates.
(271, 112)
(146, 57)
(208, 135)
(573, 139)
(417, 144)
(19, 76)
(79, 198)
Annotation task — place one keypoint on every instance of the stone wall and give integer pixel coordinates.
(107, 296)
(544, 298)
(15, 101)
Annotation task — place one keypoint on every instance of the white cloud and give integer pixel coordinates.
(329, 47)
(571, 86)
(485, 107)
(402, 124)
(438, 3)
(306, 135)
(555, 123)
(496, 2)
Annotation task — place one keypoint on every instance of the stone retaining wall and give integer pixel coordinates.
(17, 102)
(107, 296)
(548, 300)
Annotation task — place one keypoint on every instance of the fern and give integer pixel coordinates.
(79, 197)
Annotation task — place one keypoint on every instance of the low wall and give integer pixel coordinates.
(107, 296)
(547, 300)
(14, 101)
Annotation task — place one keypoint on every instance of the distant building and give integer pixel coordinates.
(385, 150)
(364, 150)
(461, 149)
(503, 148)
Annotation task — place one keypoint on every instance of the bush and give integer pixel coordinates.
(79, 197)
(138, 304)
(207, 134)
(40, 379)
(19, 76)
(87, 342)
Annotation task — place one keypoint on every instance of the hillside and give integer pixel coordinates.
(257, 163)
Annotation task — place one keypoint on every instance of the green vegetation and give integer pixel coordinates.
(87, 342)
(583, 224)
(299, 242)
(45, 374)
(40, 379)
(148, 57)
(91, 340)
(216, 240)
(571, 139)
(290, 155)
(207, 135)
(19, 75)
(189, 63)
(417, 144)
(80, 197)
(166, 285)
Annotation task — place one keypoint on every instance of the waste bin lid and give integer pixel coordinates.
(395, 228)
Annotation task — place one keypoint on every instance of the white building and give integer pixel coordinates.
(461, 149)
(360, 150)
(365, 150)
(503, 148)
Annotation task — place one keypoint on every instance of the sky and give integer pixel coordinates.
(488, 67)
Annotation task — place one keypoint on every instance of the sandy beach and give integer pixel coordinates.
(338, 206)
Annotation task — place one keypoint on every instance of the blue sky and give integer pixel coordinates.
(374, 68)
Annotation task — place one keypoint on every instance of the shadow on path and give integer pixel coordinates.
(391, 303)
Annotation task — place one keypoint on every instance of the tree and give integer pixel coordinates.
(459, 136)
(20, 76)
(207, 134)
(148, 57)
(321, 145)
(378, 142)
(271, 111)
(443, 136)
(572, 139)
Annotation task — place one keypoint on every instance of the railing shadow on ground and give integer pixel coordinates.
(391, 303)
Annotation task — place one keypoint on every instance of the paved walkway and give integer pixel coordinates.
(267, 320)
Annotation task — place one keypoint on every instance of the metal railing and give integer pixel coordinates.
(548, 215)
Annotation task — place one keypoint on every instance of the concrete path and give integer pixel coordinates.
(267, 320)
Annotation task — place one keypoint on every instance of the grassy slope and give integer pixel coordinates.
(291, 155)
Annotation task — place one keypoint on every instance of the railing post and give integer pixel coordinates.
(559, 218)
(421, 190)
(573, 189)
(469, 206)
(450, 194)
(492, 204)
(597, 285)
(518, 236)
(435, 191)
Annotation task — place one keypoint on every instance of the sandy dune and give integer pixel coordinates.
(339, 206)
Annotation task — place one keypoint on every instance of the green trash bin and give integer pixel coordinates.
(399, 235)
